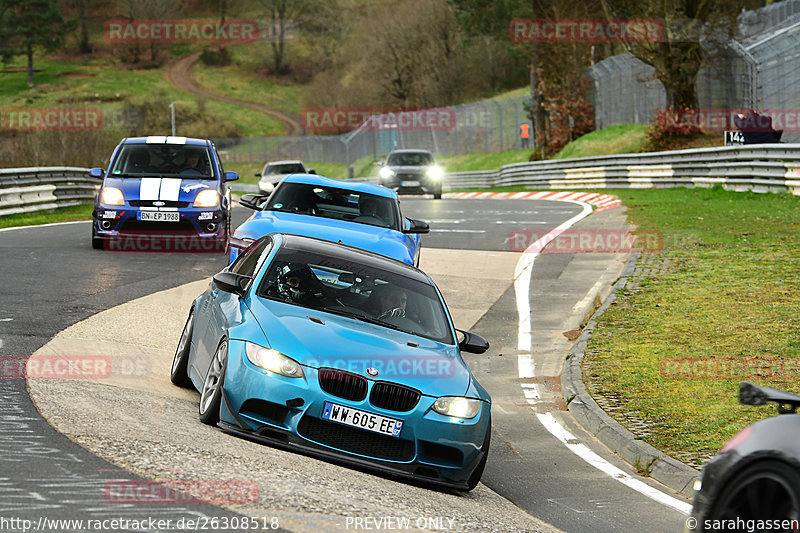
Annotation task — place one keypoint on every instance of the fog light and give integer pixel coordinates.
(105, 224)
(212, 226)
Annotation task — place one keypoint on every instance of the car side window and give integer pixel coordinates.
(247, 262)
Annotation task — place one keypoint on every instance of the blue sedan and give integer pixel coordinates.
(339, 353)
(171, 188)
(363, 215)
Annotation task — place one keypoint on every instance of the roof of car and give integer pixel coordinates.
(351, 253)
(286, 162)
(410, 151)
(163, 139)
(356, 186)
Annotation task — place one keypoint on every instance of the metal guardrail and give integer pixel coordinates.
(23, 190)
(758, 168)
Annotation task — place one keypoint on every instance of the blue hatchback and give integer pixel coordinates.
(171, 188)
(340, 353)
(363, 215)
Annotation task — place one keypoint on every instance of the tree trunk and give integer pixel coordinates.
(278, 34)
(83, 14)
(539, 124)
(29, 53)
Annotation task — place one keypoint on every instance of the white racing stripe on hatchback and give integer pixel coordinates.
(170, 189)
(149, 188)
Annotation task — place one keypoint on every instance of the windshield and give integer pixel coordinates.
(356, 290)
(332, 202)
(413, 159)
(285, 168)
(163, 160)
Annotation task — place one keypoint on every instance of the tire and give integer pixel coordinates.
(475, 477)
(437, 194)
(178, 375)
(765, 490)
(97, 242)
(211, 395)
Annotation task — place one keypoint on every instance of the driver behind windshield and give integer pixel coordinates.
(301, 286)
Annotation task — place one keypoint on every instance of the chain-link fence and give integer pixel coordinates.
(486, 126)
(624, 91)
(760, 69)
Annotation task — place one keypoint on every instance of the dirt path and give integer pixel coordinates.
(179, 74)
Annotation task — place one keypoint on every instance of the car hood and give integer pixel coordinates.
(165, 189)
(348, 344)
(384, 241)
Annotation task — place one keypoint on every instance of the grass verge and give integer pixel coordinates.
(720, 305)
(62, 214)
(620, 139)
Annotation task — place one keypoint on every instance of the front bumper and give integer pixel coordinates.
(198, 229)
(286, 412)
(412, 184)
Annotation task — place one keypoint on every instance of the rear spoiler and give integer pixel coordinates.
(752, 394)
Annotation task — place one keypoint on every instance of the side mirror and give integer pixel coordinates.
(96, 173)
(231, 176)
(417, 226)
(380, 163)
(472, 342)
(311, 171)
(230, 282)
(441, 163)
(258, 174)
(253, 201)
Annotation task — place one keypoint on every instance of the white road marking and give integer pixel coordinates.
(522, 281)
(45, 225)
(525, 365)
(589, 296)
(522, 276)
(583, 451)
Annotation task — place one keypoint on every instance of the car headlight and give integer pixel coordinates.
(112, 196)
(272, 360)
(435, 173)
(207, 198)
(457, 406)
(386, 173)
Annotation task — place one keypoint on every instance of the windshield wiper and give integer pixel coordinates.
(365, 318)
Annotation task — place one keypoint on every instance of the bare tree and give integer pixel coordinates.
(282, 16)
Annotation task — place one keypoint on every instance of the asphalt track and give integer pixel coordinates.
(56, 280)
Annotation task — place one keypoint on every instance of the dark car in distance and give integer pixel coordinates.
(412, 172)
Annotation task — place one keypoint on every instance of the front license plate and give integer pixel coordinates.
(410, 184)
(362, 419)
(159, 216)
